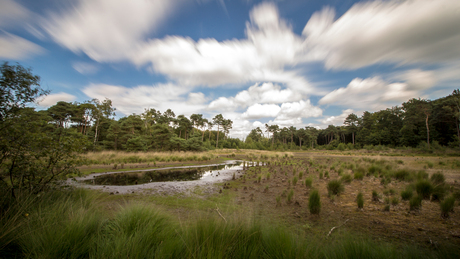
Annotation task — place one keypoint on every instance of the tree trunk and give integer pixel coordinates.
(353, 136)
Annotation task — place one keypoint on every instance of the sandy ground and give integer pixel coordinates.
(207, 181)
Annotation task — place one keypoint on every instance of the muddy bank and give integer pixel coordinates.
(207, 180)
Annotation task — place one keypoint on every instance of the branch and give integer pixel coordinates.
(332, 229)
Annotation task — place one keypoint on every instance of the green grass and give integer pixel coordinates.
(360, 200)
(74, 224)
(335, 187)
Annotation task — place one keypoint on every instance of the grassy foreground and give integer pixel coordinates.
(76, 224)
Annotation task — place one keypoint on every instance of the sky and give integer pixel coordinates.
(291, 63)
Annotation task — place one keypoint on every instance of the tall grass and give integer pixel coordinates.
(74, 225)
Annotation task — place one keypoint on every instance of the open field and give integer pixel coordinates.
(265, 212)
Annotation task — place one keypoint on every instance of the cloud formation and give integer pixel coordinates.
(52, 99)
(401, 32)
(14, 47)
(107, 30)
(370, 93)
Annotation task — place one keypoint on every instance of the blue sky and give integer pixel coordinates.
(291, 62)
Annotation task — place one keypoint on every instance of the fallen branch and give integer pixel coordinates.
(332, 229)
(217, 209)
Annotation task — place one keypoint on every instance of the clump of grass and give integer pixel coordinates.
(424, 188)
(407, 193)
(300, 175)
(438, 193)
(340, 171)
(295, 180)
(259, 178)
(346, 178)
(392, 191)
(394, 201)
(403, 175)
(422, 175)
(278, 200)
(308, 182)
(326, 174)
(375, 196)
(429, 164)
(358, 175)
(438, 178)
(415, 203)
(321, 175)
(447, 205)
(386, 200)
(314, 202)
(335, 187)
(387, 207)
(290, 196)
(360, 200)
(268, 176)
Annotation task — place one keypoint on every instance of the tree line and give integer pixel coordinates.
(416, 123)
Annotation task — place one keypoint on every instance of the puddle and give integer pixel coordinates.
(160, 175)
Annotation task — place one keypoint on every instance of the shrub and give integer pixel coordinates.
(346, 178)
(438, 178)
(375, 196)
(360, 200)
(415, 203)
(290, 196)
(314, 202)
(294, 181)
(308, 182)
(447, 206)
(358, 175)
(335, 187)
(403, 175)
(407, 194)
(424, 189)
(439, 191)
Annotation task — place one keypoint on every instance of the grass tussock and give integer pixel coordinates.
(74, 225)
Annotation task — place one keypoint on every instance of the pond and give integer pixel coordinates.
(191, 173)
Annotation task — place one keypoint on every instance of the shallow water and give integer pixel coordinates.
(160, 175)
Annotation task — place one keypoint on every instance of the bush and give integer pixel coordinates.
(407, 194)
(439, 191)
(360, 200)
(335, 187)
(314, 202)
(358, 176)
(375, 196)
(424, 189)
(308, 182)
(403, 175)
(438, 178)
(346, 178)
(447, 206)
(415, 203)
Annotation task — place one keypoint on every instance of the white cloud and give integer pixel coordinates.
(52, 99)
(270, 46)
(386, 31)
(258, 111)
(266, 93)
(11, 11)
(196, 98)
(14, 47)
(107, 30)
(370, 93)
(85, 68)
(336, 120)
(134, 100)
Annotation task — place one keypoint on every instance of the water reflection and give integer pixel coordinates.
(164, 175)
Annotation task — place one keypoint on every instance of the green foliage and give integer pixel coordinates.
(308, 182)
(360, 200)
(290, 196)
(415, 203)
(314, 202)
(358, 175)
(335, 187)
(346, 178)
(375, 196)
(394, 201)
(295, 180)
(447, 205)
(438, 178)
(407, 194)
(424, 188)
